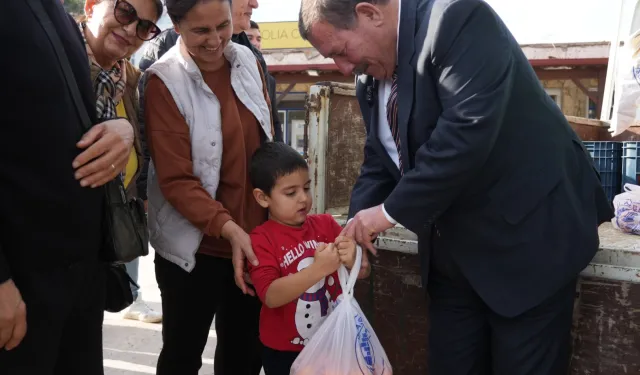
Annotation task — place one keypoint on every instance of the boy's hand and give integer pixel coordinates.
(346, 250)
(326, 259)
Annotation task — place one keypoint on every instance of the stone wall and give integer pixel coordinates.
(573, 100)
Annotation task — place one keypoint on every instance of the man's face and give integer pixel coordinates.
(255, 37)
(364, 49)
(242, 10)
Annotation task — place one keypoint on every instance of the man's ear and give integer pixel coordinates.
(261, 197)
(176, 28)
(369, 13)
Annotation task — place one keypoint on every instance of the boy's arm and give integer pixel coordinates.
(268, 268)
(289, 288)
(273, 289)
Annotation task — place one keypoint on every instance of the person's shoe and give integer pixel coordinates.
(139, 310)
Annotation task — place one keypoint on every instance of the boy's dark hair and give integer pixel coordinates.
(272, 161)
(254, 25)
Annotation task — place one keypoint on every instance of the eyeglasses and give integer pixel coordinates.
(126, 14)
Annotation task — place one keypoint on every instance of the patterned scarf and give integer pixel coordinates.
(108, 85)
(321, 296)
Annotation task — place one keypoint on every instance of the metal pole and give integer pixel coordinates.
(607, 97)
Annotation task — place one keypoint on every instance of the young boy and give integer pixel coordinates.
(298, 253)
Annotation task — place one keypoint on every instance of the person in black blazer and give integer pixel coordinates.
(466, 149)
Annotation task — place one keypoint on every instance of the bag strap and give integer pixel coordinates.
(61, 54)
(348, 279)
(631, 187)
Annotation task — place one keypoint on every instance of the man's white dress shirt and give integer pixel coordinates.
(384, 130)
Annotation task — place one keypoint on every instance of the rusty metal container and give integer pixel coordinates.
(606, 324)
(335, 140)
(607, 315)
(590, 130)
(392, 298)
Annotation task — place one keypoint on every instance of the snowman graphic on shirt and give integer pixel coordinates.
(313, 306)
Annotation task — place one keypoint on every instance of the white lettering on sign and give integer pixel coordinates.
(279, 35)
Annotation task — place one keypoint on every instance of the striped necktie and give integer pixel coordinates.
(392, 117)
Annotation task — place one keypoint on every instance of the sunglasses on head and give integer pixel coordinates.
(126, 14)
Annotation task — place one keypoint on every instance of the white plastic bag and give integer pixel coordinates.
(627, 209)
(627, 101)
(345, 343)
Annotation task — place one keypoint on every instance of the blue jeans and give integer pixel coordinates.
(132, 270)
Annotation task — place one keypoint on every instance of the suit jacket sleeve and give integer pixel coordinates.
(471, 61)
(5, 274)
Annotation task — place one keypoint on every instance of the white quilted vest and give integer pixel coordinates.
(171, 235)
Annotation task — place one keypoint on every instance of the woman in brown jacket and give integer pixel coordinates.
(206, 111)
(113, 30)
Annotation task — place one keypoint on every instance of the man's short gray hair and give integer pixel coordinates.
(340, 14)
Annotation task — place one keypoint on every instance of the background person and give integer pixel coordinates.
(201, 134)
(254, 35)
(113, 31)
(155, 49)
(52, 282)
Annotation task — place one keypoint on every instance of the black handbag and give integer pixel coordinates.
(119, 295)
(124, 226)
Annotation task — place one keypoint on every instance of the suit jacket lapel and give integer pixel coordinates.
(406, 74)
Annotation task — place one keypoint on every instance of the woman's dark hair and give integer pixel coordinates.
(159, 7)
(178, 9)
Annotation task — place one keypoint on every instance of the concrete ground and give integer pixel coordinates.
(132, 347)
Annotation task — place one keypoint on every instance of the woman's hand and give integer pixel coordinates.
(13, 316)
(240, 249)
(107, 149)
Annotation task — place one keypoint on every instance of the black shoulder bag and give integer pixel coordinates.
(124, 225)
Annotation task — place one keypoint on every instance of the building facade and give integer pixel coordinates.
(573, 74)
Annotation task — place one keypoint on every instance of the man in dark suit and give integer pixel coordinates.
(465, 149)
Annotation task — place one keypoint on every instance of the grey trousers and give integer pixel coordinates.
(132, 270)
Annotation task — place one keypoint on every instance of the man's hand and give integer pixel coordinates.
(241, 249)
(365, 267)
(366, 225)
(107, 149)
(13, 316)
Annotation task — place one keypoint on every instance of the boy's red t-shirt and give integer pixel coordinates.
(283, 250)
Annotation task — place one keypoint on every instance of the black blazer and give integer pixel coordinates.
(489, 158)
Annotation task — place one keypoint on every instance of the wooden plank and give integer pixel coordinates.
(585, 90)
(602, 79)
(566, 74)
(285, 92)
(305, 78)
